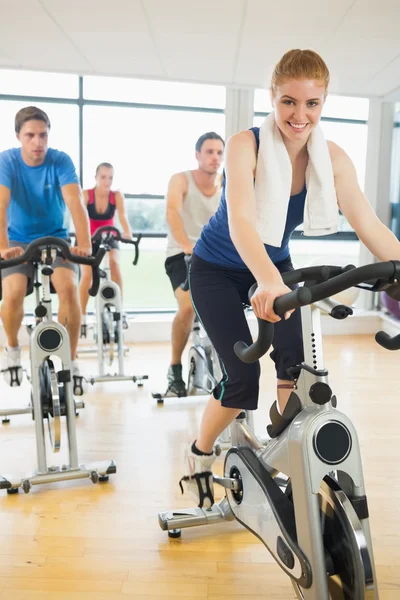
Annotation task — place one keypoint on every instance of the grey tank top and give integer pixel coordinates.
(197, 210)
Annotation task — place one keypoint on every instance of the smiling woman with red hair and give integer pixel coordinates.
(277, 177)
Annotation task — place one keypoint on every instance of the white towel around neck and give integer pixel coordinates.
(273, 184)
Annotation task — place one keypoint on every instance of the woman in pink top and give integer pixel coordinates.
(102, 204)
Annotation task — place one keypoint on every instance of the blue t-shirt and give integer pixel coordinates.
(215, 244)
(36, 207)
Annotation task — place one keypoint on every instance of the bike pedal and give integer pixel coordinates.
(13, 376)
(79, 385)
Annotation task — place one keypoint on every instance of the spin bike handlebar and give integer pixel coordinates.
(185, 284)
(33, 254)
(324, 282)
(110, 232)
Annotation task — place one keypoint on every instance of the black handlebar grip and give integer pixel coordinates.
(95, 281)
(101, 251)
(98, 257)
(306, 274)
(388, 342)
(295, 299)
(250, 354)
(136, 244)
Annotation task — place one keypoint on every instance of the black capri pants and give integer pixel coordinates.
(218, 294)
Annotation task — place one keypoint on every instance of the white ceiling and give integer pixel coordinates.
(229, 42)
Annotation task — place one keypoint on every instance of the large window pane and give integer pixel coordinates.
(308, 252)
(35, 83)
(146, 285)
(353, 139)
(153, 92)
(146, 216)
(145, 146)
(346, 107)
(395, 177)
(64, 133)
(262, 101)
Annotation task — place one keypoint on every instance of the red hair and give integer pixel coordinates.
(300, 64)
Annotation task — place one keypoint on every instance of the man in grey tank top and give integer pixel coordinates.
(192, 199)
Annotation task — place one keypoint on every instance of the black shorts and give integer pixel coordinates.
(218, 294)
(175, 268)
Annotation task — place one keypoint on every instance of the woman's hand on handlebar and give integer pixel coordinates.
(126, 235)
(263, 300)
(7, 253)
(81, 250)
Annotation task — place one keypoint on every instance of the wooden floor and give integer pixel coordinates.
(79, 541)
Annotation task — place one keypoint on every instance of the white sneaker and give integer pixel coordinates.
(75, 369)
(11, 366)
(198, 477)
(11, 357)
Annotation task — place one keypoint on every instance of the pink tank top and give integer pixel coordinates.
(96, 219)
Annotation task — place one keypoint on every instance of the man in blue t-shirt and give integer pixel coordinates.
(36, 184)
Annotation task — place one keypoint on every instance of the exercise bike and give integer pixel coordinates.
(303, 494)
(52, 396)
(110, 322)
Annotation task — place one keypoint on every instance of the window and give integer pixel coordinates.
(146, 285)
(395, 177)
(262, 101)
(345, 107)
(154, 92)
(146, 216)
(352, 137)
(146, 146)
(36, 83)
(307, 253)
(64, 132)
